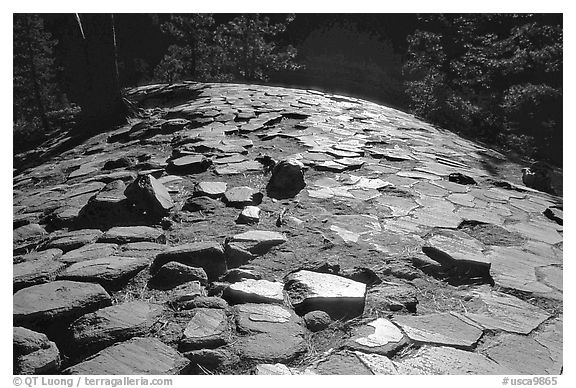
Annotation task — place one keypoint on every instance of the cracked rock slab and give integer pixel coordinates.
(32, 272)
(441, 360)
(442, 329)
(137, 356)
(517, 269)
(457, 251)
(94, 331)
(111, 272)
(337, 296)
(74, 239)
(266, 318)
(57, 302)
(502, 312)
(208, 328)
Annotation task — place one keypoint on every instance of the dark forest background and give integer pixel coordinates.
(492, 77)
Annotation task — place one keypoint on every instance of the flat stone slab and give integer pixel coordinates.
(27, 235)
(74, 239)
(436, 218)
(337, 296)
(392, 297)
(525, 355)
(111, 272)
(32, 272)
(341, 362)
(516, 269)
(137, 356)
(34, 353)
(504, 312)
(210, 189)
(539, 231)
(57, 302)
(95, 331)
(245, 246)
(48, 254)
(480, 215)
(441, 360)
(379, 336)
(266, 318)
(457, 251)
(242, 196)
(208, 328)
(145, 249)
(190, 164)
(130, 234)
(439, 329)
(271, 347)
(255, 291)
(207, 255)
(89, 252)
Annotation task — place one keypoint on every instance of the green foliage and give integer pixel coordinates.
(341, 58)
(241, 49)
(492, 75)
(38, 104)
(34, 71)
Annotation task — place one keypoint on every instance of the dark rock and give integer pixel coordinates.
(462, 179)
(361, 274)
(137, 356)
(207, 255)
(555, 214)
(34, 353)
(150, 195)
(205, 205)
(190, 164)
(199, 301)
(117, 163)
(287, 179)
(95, 331)
(238, 274)
(174, 273)
(317, 320)
(111, 272)
(211, 358)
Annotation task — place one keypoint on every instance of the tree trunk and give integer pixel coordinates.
(100, 99)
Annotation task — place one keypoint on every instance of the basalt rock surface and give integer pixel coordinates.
(239, 229)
